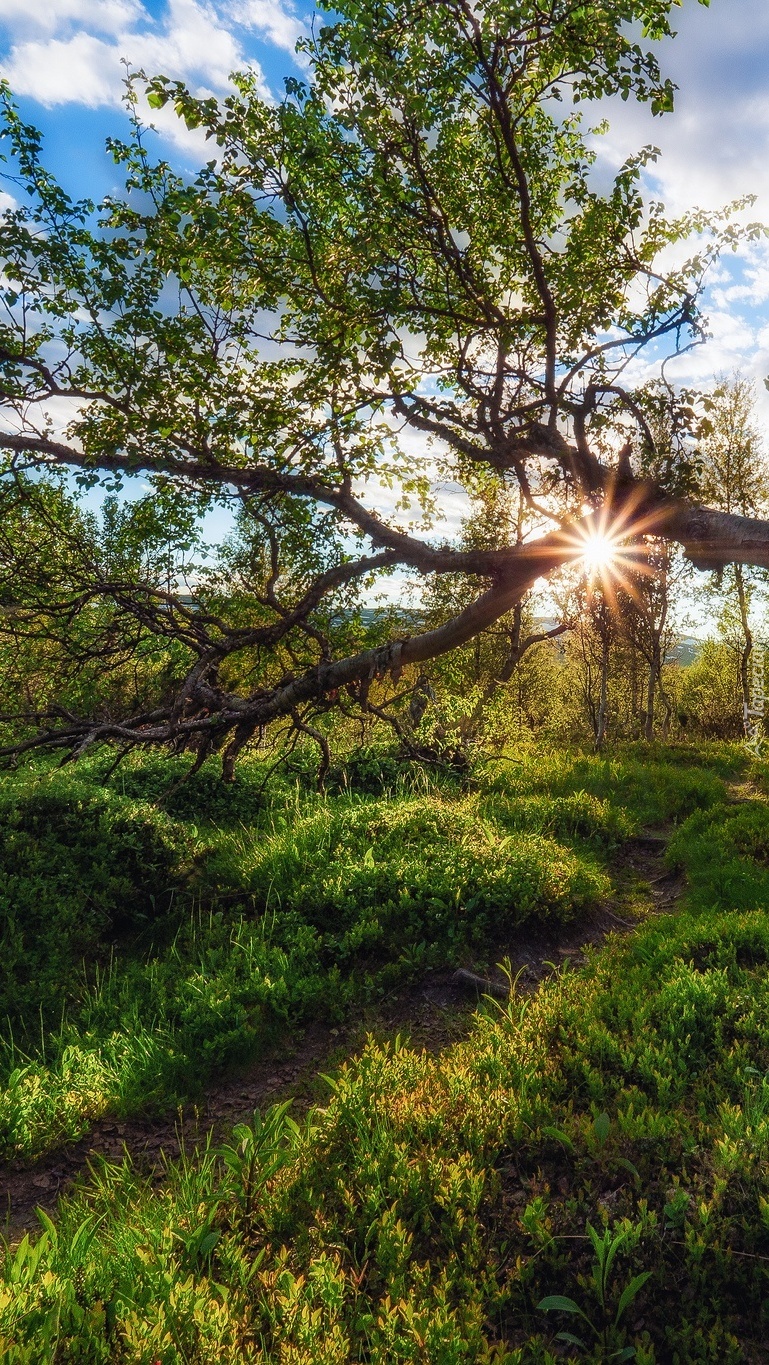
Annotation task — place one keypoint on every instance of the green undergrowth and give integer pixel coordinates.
(584, 1177)
(154, 934)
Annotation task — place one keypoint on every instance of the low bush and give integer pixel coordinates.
(655, 782)
(725, 852)
(202, 797)
(373, 772)
(437, 872)
(325, 902)
(579, 816)
(79, 868)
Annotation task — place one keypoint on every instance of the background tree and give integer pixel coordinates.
(735, 477)
(90, 618)
(474, 675)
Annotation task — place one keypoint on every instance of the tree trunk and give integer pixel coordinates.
(668, 711)
(651, 689)
(603, 704)
(519, 645)
(747, 646)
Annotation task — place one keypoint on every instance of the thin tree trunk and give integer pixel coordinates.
(518, 647)
(651, 688)
(650, 691)
(668, 710)
(603, 704)
(747, 646)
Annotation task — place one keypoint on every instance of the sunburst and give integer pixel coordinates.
(599, 553)
(612, 548)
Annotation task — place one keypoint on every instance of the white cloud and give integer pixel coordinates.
(70, 51)
(282, 26)
(192, 44)
(50, 16)
(713, 149)
(715, 146)
(51, 71)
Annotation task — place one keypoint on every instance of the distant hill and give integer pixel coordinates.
(685, 651)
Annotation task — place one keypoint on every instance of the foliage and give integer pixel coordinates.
(79, 869)
(412, 242)
(709, 695)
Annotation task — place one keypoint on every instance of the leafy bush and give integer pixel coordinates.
(725, 852)
(78, 868)
(371, 771)
(429, 871)
(653, 781)
(202, 797)
(580, 816)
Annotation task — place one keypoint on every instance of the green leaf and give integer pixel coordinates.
(559, 1303)
(601, 1128)
(559, 1136)
(630, 1291)
(628, 1166)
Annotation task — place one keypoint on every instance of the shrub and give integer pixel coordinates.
(656, 782)
(579, 816)
(725, 852)
(202, 797)
(78, 868)
(369, 770)
(428, 871)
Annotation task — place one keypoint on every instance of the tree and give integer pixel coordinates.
(476, 672)
(408, 245)
(647, 622)
(67, 645)
(668, 457)
(734, 476)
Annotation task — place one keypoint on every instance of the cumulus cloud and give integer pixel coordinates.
(70, 51)
(714, 149)
(50, 70)
(281, 26)
(103, 16)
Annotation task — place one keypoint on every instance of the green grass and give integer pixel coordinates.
(142, 953)
(590, 1161)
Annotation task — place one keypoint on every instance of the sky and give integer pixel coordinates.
(64, 59)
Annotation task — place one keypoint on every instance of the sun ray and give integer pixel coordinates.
(614, 550)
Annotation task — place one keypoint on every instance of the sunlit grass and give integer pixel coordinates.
(433, 1202)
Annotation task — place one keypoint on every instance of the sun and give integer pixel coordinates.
(599, 553)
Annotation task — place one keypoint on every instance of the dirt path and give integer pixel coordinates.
(433, 1013)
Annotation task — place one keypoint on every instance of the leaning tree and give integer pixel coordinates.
(407, 265)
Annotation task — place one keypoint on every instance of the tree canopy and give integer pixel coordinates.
(408, 264)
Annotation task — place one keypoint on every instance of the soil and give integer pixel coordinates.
(432, 1013)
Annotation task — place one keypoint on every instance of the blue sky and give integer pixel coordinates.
(63, 59)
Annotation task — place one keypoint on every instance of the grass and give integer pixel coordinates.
(584, 1177)
(205, 942)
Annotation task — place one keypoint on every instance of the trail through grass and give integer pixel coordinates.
(583, 1177)
(141, 955)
